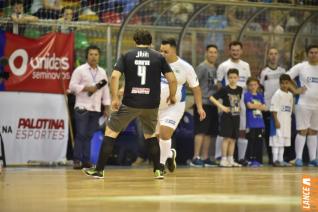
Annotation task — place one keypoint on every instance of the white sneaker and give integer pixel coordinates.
(234, 164)
(225, 163)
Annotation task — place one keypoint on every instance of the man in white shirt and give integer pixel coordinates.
(170, 115)
(236, 51)
(86, 82)
(306, 74)
(269, 79)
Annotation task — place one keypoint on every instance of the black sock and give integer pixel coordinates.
(106, 150)
(154, 152)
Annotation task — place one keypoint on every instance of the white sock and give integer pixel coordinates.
(299, 146)
(230, 159)
(165, 150)
(218, 147)
(281, 154)
(275, 153)
(241, 147)
(224, 158)
(312, 146)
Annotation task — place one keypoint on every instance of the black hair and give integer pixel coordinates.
(94, 47)
(311, 47)
(232, 71)
(284, 77)
(235, 43)
(169, 41)
(142, 37)
(17, 2)
(211, 46)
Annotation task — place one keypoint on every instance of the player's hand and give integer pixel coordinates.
(277, 125)
(226, 109)
(202, 114)
(171, 100)
(91, 89)
(301, 90)
(115, 104)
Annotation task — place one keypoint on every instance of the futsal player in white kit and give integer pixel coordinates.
(306, 110)
(170, 115)
(269, 79)
(236, 51)
(280, 131)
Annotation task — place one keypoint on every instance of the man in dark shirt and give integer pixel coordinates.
(142, 68)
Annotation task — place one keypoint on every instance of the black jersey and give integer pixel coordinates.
(142, 68)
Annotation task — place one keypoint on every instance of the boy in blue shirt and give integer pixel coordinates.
(255, 104)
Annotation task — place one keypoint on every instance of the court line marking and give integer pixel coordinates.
(202, 199)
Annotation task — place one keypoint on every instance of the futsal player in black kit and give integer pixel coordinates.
(142, 67)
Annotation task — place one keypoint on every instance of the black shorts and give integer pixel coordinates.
(229, 126)
(120, 119)
(210, 125)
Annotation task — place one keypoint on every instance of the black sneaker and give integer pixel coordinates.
(92, 172)
(171, 162)
(243, 162)
(210, 163)
(77, 164)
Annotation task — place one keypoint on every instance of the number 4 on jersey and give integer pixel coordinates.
(142, 73)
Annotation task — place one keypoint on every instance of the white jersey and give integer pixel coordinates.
(282, 103)
(184, 73)
(308, 77)
(270, 80)
(243, 68)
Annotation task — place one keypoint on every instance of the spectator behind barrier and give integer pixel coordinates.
(46, 9)
(19, 18)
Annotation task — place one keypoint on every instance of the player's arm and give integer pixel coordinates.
(293, 73)
(220, 76)
(198, 101)
(219, 105)
(114, 83)
(295, 89)
(277, 124)
(172, 81)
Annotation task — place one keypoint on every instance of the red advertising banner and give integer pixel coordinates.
(39, 65)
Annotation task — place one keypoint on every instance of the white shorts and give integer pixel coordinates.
(170, 116)
(306, 118)
(242, 114)
(277, 141)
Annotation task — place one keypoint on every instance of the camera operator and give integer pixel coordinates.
(89, 84)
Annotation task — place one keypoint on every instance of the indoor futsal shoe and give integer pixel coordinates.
(158, 174)
(171, 162)
(92, 172)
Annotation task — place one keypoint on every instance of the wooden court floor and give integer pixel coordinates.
(265, 189)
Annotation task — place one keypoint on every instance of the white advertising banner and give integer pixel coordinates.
(34, 126)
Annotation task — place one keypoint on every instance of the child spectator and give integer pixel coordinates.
(230, 119)
(281, 108)
(255, 104)
(19, 18)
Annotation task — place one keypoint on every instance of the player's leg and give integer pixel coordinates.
(81, 117)
(242, 142)
(312, 138)
(208, 149)
(302, 124)
(149, 119)
(199, 134)
(169, 119)
(225, 146)
(226, 131)
(234, 137)
(117, 122)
